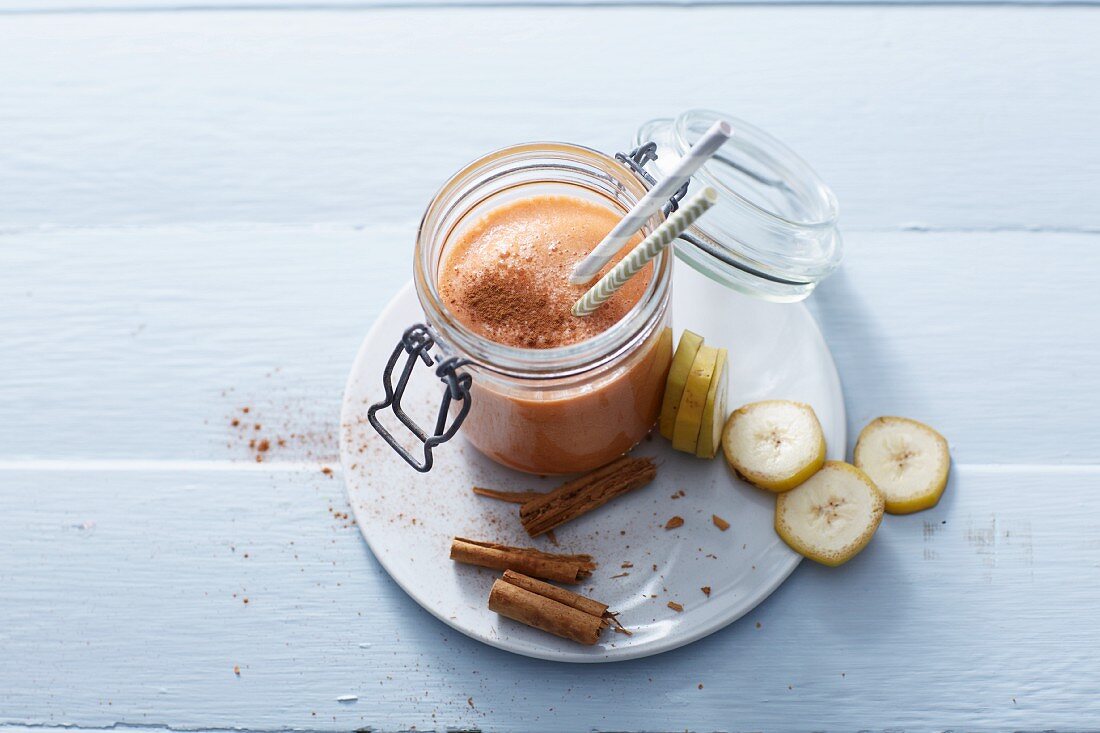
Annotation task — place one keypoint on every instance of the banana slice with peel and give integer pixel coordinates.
(714, 411)
(775, 444)
(832, 516)
(689, 416)
(677, 379)
(907, 460)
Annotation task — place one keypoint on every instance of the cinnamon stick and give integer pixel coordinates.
(581, 495)
(515, 497)
(549, 608)
(553, 592)
(528, 560)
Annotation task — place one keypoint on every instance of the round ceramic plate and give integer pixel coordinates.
(408, 518)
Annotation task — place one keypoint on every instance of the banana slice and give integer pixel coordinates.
(714, 412)
(907, 460)
(677, 378)
(832, 516)
(775, 445)
(689, 416)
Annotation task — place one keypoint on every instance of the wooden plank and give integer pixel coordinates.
(122, 601)
(96, 6)
(988, 336)
(918, 117)
(145, 344)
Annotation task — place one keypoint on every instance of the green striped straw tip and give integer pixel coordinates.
(649, 248)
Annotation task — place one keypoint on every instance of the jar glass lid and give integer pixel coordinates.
(773, 233)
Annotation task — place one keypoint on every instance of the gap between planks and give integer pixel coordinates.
(228, 466)
(159, 727)
(154, 464)
(521, 4)
(339, 227)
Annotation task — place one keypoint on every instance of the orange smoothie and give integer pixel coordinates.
(506, 279)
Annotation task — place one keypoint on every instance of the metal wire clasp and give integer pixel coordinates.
(416, 342)
(637, 159)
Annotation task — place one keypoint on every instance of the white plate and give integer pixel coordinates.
(408, 519)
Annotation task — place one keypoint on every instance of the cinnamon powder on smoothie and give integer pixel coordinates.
(507, 277)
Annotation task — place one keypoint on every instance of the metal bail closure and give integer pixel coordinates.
(637, 160)
(416, 342)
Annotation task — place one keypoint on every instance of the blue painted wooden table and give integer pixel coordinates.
(203, 210)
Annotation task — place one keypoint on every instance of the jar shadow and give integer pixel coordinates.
(860, 341)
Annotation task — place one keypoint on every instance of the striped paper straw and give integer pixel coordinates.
(650, 247)
(651, 203)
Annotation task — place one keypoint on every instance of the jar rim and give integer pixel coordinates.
(460, 192)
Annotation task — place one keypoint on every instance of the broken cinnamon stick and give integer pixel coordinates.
(581, 495)
(553, 592)
(527, 560)
(549, 608)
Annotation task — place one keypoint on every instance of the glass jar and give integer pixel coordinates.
(565, 409)
(773, 235)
